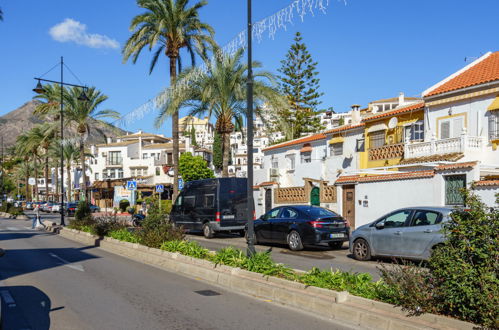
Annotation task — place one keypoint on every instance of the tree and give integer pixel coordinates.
(78, 113)
(299, 83)
(171, 26)
(220, 91)
(194, 168)
(192, 134)
(217, 151)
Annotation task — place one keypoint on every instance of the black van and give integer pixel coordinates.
(212, 205)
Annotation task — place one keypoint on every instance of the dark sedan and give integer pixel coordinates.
(300, 225)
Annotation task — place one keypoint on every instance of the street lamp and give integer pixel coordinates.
(39, 90)
(250, 240)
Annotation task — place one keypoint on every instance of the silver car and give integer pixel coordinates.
(409, 233)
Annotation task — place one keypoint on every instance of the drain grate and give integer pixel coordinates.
(207, 293)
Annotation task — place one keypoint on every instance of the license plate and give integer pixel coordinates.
(337, 235)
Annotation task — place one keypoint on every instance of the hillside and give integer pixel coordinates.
(22, 119)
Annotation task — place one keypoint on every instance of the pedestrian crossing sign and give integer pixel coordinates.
(131, 185)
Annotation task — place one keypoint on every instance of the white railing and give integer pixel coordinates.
(445, 146)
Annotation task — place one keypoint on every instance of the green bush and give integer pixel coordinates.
(102, 226)
(83, 211)
(188, 248)
(124, 204)
(166, 206)
(461, 279)
(123, 235)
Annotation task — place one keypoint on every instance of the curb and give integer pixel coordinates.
(340, 306)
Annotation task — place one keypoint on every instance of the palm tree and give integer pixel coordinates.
(221, 92)
(171, 26)
(79, 113)
(48, 130)
(27, 146)
(71, 154)
(22, 173)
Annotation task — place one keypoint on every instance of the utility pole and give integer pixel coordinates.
(3, 170)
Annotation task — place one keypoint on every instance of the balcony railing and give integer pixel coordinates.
(445, 146)
(387, 152)
(114, 161)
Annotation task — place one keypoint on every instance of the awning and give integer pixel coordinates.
(494, 105)
(377, 127)
(338, 139)
(306, 148)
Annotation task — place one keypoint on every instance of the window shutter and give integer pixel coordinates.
(445, 130)
(457, 128)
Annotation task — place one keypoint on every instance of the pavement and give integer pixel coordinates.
(48, 282)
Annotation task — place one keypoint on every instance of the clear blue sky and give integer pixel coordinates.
(366, 49)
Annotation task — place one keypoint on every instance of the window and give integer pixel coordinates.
(144, 171)
(120, 173)
(288, 213)
(111, 174)
(291, 161)
(397, 219)
(377, 139)
(360, 143)
(453, 186)
(494, 125)
(189, 202)
(306, 157)
(169, 158)
(145, 156)
(158, 172)
(415, 131)
(96, 176)
(336, 149)
(209, 201)
(272, 214)
(275, 162)
(115, 158)
(426, 218)
(451, 128)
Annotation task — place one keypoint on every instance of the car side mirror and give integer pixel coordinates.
(380, 225)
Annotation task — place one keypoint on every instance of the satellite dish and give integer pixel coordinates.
(393, 123)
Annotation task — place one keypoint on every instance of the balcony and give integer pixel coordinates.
(445, 146)
(114, 162)
(387, 152)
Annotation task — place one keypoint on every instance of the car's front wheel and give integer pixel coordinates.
(361, 250)
(208, 231)
(294, 241)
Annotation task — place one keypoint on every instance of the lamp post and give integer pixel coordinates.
(250, 240)
(39, 90)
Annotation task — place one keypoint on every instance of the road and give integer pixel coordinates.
(321, 256)
(49, 282)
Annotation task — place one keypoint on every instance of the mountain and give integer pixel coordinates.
(22, 119)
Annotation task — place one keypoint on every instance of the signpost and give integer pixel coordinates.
(180, 184)
(159, 189)
(131, 185)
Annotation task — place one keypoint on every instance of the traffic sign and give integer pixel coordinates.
(31, 181)
(180, 184)
(131, 185)
(160, 188)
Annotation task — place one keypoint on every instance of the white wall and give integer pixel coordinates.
(488, 195)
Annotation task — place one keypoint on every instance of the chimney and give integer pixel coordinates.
(355, 114)
(401, 98)
(109, 140)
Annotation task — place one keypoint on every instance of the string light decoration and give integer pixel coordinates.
(269, 26)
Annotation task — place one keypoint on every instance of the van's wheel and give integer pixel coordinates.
(335, 245)
(208, 231)
(294, 241)
(242, 233)
(361, 250)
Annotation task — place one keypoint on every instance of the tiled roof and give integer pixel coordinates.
(483, 70)
(386, 177)
(162, 146)
(343, 128)
(452, 157)
(117, 144)
(305, 139)
(485, 183)
(142, 135)
(267, 183)
(412, 107)
(455, 166)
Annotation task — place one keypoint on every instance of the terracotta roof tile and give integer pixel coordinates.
(343, 128)
(484, 70)
(305, 139)
(455, 166)
(117, 144)
(487, 183)
(267, 183)
(386, 177)
(412, 107)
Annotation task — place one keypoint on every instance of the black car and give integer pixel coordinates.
(299, 225)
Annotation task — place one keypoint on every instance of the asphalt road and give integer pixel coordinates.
(48, 282)
(322, 257)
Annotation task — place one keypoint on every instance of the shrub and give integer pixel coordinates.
(461, 279)
(124, 204)
(102, 226)
(123, 235)
(166, 206)
(188, 248)
(229, 256)
(83, 211)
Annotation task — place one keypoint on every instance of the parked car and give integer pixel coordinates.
(29, 205)
(300, 225)
(70, 208)
(212, 205)
(410, 233)
(47, 207)
(56, 208)
(94, 208)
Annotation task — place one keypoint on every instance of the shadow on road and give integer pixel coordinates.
(25, 307)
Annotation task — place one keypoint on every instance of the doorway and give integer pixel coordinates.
(268, 200)
(349, 204)
(315, 196)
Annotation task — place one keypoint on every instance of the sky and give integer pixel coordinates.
(366, 49)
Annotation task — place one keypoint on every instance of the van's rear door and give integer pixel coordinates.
(232, 201)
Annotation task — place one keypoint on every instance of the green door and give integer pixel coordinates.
(315, 196)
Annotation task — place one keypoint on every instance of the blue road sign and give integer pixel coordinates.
(180, 184)
(160, 188)
(131, 185)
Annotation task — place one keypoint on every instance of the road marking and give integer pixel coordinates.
(13, 228)
(67, 263)
(7, 297)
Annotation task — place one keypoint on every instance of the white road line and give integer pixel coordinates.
(13, 228)
(7, 297)
(67, 263)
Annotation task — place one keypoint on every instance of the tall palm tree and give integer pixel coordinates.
(27, 146)
(48, 131)
(78, 113)
(221, 92)
(22, 172)
(71, 154)
(170, 26)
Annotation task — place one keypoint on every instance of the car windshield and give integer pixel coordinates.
(319, 212)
